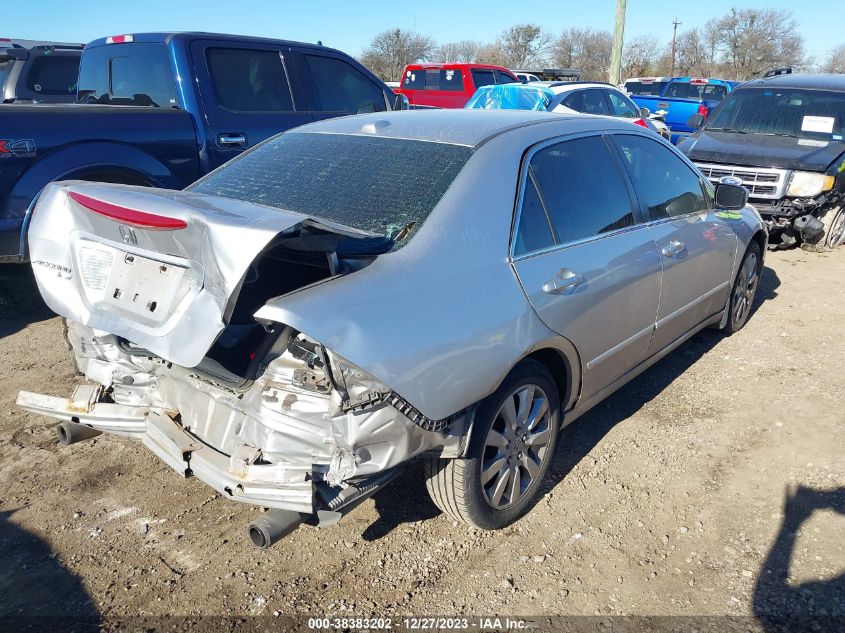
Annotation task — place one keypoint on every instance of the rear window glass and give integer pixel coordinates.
(709, 92)
(53, 75)
(249, 80)
(5, 69)
(341, 87)
(370, 183)
(414, 79)
(434, 79)
(652, 88)
(127, 74)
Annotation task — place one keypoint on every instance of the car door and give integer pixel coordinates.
(589, 267)
(336, 87)
(697, 246)
(246, 95)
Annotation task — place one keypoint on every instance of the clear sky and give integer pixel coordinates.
(349, 25)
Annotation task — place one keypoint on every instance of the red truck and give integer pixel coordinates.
(449, 85)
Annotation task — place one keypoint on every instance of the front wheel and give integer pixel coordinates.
(744, 289)
(513, 438)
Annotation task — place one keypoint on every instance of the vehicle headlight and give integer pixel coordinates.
(806, 184)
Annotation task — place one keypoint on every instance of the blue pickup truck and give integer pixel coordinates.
(163, 109)
(678, 99)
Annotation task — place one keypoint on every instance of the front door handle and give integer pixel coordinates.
(565, 279)
(231, 139)
(673, 248)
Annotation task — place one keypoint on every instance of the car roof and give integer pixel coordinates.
(560, 87)
(455, 65)
(453, 126)
(819, 82)
(168, 36)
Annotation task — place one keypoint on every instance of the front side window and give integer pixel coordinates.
(620, 105)
(664, 183)
(341, 87)
(504, 78)
(483, 77)
(582, 190)
(249, 80)
(54, 75)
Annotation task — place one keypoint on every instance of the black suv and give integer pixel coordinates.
(783, 138)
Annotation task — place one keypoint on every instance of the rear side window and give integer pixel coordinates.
(483, 77)
(663, 182)
(594, 102)
(248, 80)
(575, 101)
(53, 75)
(534, 231)
(582, 189)
(620, 105)
(341, 87)
(127, 74)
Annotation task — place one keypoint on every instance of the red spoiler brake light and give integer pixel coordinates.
(132, 217)
(120, 39)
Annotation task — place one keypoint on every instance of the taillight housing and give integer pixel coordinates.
(141, 219)
(641, 122)
(703, 110)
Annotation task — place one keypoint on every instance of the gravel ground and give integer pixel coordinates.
(714, 484)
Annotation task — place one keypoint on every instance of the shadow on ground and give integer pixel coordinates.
(406, 500)
(36, 592)
(20, 301)
(781, 605)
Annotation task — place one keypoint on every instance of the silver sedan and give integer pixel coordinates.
(453, 286)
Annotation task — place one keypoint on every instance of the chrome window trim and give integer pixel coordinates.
(520, 193)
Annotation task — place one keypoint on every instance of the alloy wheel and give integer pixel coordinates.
(745, 287)
(515, 447)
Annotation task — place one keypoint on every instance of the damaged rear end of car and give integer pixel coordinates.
(159, 291)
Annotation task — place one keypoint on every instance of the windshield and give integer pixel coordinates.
(811, 114)
(375, 184)
(651, 88)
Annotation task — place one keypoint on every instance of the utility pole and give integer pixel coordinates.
(675, 24)
(615, 75)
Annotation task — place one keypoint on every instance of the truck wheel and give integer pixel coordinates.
(744, 289)
(513, 439)
(834, 227)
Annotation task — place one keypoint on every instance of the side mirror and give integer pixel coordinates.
(695, 121)
(731, 197)
(645, 113)
(400, 102)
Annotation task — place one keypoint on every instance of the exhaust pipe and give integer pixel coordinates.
(273, 526)
(71, 433)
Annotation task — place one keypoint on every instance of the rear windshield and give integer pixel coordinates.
(375, 184)
(810, 114)
(433, 79)
(53, 75)
(127, 74)
(652, 88)
(707, 92)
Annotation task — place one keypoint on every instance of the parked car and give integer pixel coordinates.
(39, 72)
(525, 78)
(565, 96)
(783, 138)
(296, 326)
(190, 102)
(680, 98)
(449, 85)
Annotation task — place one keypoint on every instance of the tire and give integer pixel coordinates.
(744, 289)
(502, 449)
(834, 227)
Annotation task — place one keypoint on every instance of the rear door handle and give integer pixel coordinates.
(673, 248)
(231, 139)
(565, 279)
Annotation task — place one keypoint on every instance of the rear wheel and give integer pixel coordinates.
(744, 289)
(513, 438)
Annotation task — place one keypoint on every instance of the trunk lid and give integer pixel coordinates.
(162, 269)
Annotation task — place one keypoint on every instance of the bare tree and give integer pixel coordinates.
(492, 54)
(584, 49)
(390, 51)
(836, 62)
(751, 41)
(639, 58)
(524, 46)
(464, 52)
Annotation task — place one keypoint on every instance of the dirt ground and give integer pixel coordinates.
(714, 484)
